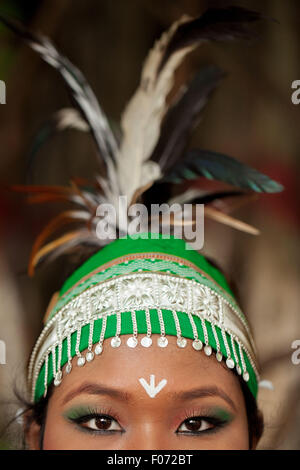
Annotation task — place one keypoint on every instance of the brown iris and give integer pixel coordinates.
(193, 424)
(103, 423)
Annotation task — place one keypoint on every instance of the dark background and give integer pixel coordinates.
(250, 116)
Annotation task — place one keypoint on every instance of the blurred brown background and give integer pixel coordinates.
(251, 117)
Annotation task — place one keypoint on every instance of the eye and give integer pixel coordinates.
(195, 425)
(100, 423)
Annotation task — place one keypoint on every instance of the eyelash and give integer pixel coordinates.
(90, 414)
(96, 414)
(217, 423)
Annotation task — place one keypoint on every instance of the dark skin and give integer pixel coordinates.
(200, 407)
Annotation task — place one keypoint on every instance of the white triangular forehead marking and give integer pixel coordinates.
(150, 387)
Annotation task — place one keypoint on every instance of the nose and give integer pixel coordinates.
(148, 436)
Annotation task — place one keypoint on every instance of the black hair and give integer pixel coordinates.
(254, 416)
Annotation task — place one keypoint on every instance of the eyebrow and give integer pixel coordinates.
(95, 389)
(90, 388)
(203, 393)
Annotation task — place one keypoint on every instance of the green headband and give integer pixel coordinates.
(143, 285)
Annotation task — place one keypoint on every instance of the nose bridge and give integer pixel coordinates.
(149, 433)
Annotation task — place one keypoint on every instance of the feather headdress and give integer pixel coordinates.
(152, 152)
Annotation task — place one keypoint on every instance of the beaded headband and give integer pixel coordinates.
(142, 288)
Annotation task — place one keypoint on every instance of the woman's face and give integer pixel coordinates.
(198, 403)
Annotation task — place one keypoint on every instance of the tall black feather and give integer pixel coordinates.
(216, 24)
(183, 116)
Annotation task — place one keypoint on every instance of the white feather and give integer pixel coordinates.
(141, 120)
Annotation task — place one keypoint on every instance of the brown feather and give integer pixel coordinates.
(56, 223)
(50, 247)
(226, 219)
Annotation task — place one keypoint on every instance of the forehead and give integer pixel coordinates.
(121, 368)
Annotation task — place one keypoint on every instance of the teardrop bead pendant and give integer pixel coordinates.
(162, 342)
(197, 344)
(208, 350)
(146, 342)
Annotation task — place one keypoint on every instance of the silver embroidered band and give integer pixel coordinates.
(144, 291)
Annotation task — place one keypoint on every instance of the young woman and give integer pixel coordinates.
(145, 346)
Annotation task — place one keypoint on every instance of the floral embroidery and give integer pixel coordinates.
(104, 300)
(71, 321)
(206, 302)
(137, 292)
(173, 294)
